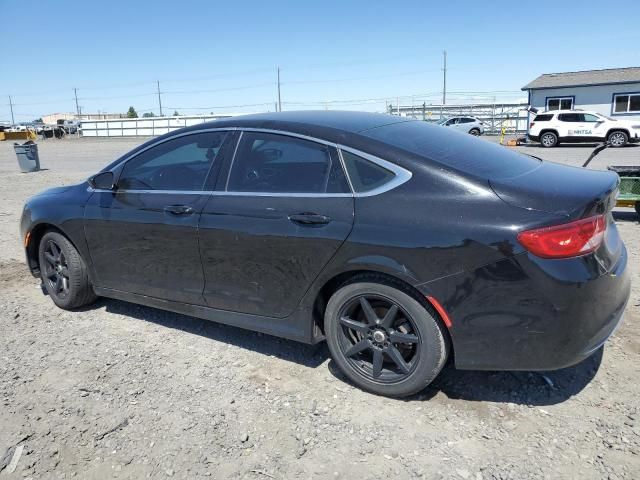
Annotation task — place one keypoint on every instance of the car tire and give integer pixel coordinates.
(617, 139)
(394, 347)
(475, 132)
(548, 139)
(637, 207)
(64, 273)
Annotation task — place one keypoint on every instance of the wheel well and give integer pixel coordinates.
(331, 286)
(547, 130)
(623, 130)
(35, 237)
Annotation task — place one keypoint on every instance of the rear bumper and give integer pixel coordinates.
(527, 313)
(534, 138)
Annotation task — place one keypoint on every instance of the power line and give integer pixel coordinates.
(222, 106)
(229, 89)
(374, 77)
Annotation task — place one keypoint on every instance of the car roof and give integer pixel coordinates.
(573, 110)
(334, 126)
(329, 124)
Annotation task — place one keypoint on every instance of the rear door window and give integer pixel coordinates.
(460, 152)
(591, 118)
(267, 162)
(571, 117)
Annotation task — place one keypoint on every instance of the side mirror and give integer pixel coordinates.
(102, 181)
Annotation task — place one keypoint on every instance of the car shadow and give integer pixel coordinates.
(522, 388)
(625, 216)
(307, 355)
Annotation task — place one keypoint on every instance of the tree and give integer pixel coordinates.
(38, 120)
(148, 115)
(131, 113)
(175, 113)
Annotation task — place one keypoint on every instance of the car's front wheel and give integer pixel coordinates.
(548, 139)
(64, 273)
(383, 339)
(617, 139)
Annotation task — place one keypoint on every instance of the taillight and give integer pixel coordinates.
(567, 240)
(531, 125)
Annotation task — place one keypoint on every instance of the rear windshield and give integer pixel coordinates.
(543, 118)
(463, 152)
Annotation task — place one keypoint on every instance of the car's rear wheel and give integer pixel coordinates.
(63, 272)
(383, 339)
(618, 139)
(475, 132)
(548, 139)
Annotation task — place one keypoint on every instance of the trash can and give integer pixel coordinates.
(27, 154)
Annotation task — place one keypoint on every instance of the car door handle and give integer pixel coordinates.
(178, 209)
(309, 219)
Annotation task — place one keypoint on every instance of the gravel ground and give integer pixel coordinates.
(123, 391)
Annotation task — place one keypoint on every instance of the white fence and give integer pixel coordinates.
(142, 127)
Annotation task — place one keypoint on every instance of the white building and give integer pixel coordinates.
(614, 92)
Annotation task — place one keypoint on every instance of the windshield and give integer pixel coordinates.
(442, 121)
(467, 154)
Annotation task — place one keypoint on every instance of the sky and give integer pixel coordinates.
(214, 56)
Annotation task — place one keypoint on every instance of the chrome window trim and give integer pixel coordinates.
(402, 175)
(231, 194)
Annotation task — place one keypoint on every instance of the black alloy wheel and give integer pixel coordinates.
(56, 269)
(383, 337)
(378, 338)
(63, 272)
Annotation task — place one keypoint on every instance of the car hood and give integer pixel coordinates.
(625, 123)
(56, 190)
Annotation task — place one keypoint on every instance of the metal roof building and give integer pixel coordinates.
(613, 92)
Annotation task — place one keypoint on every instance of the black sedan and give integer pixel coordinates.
(398, 242)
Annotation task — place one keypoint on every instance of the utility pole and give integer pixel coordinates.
(444, 78)
(159, 98)
(13, 122)
(279, 100)
(75, 93)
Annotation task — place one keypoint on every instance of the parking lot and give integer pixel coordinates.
(124, 391)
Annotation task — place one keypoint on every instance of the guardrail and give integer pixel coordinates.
(512, 117)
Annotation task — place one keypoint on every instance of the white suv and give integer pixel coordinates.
(574, 126)
(469, 125)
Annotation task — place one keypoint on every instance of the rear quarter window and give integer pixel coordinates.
(464, 153)
(365, 175)
(543, 118)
